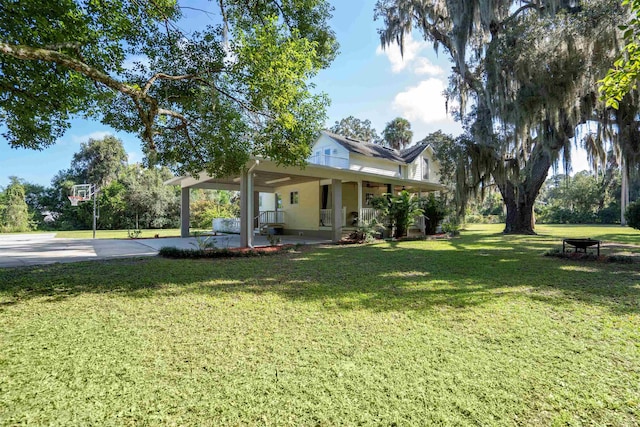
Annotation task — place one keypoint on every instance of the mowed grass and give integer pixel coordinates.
(478, 330)
(120, 234)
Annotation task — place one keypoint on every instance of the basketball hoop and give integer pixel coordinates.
(74, 200)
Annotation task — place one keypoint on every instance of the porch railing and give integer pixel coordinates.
(420, 223)
(367, 215)
(270, 217)
(326, 217)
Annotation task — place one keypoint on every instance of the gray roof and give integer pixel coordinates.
(373, 150)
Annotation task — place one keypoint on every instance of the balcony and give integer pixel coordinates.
(331, 161)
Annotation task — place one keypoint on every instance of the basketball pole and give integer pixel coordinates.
(95, 202)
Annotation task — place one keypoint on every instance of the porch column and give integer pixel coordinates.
(246, 209)
(359, 203)
(184, 212)
(256, 210)
(336, 221)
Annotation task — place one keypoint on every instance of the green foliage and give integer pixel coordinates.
(367, 233)
(397, 134)
(632, 214)
(13, 209)
(580, 199)
(435, 210)
(204, 100)
(622, 78)
(207, 252)
(210, 204)
(99, 161)
(524, 79)
(400, 211)
(203, 241)
(352, 127)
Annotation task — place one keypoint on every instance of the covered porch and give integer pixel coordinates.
(303, 199)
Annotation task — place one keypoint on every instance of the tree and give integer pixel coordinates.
(525, 74)
(150, 203)
(352, 127)
(207, 100)
(397, 134)
(15, 214)
(99, 161)
(622, 78)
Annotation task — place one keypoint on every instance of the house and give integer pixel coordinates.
(328, 195)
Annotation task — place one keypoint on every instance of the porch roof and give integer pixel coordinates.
(268, 176)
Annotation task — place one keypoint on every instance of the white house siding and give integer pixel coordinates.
(374, 165)
(338, 157)
(415, 168)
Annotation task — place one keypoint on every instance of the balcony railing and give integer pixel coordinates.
(332, 161)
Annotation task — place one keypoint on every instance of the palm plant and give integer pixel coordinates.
(400, 211)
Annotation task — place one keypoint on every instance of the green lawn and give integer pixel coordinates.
(119, 234)
(478, 330)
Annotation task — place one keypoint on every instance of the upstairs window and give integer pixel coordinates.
(425, 168)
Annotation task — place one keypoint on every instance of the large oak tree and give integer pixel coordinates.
(200, 100)
(525, 75)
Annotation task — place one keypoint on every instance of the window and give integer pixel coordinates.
(293, 197)
(278, 201)
(400, 170)
(327, 156)
(425, 168)
(260, 201)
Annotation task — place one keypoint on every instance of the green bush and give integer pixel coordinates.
(632, 214)
(435, 210)
(173, 252)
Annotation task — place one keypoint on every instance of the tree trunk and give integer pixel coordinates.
(519, 198)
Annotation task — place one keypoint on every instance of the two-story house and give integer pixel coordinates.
(331, 193)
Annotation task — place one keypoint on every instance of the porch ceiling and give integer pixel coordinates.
(262, 180)
(268, 176)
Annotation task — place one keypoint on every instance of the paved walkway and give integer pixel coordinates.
(34, 249)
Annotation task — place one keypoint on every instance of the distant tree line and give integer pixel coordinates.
(130, 196)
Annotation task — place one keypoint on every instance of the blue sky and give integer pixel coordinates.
(363, 81)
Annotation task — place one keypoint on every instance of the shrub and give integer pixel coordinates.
(173, 252)
(632, 214)
(435, 210)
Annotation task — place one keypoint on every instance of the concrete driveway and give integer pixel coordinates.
(33, 249)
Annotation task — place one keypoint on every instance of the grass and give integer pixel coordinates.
(121, 234)
(478, 330)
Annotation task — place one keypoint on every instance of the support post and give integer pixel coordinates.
(244, 210)
(184, 212)
(336, 221)
(360, 203)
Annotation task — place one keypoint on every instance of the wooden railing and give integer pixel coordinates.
(326, 217)
(270, 217)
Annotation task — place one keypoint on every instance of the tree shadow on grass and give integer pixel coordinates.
(415, 276)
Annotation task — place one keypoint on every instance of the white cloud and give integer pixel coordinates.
(398, 61)
(424, 102)
(424, 66)
(93, 135)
